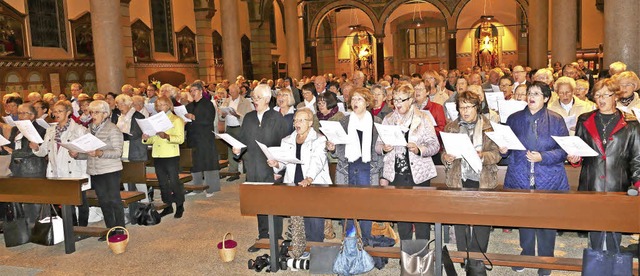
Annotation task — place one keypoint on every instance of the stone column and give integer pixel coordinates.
(313, 49)
(206, 64)
(294, 68)
(379, 56)
(108, 45)
(127, 44)
(451, 45)
(621, 33)
(564, 16)
(231, 48)
(538, 33)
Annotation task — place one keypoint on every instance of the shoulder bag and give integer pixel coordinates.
(606, 262)
(353, 259)
(48, 230)
(15, 227)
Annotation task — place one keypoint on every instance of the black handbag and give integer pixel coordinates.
(146, 214)
(47, 230)
(606, 263)
(27, 164)
(475, 267)
(16, 228)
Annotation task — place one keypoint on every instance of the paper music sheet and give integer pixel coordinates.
(573, 145)
(28, 130)
(84, 144)
(493, 98)
(4, 141)
(503, 136)
(277, 157)
(230, 140)
(571, 122)
(452, 112)
(151, 107)
(280, 155)
(334, 132)
(181, 111)
(431, 118)
(154, 124)
(460, 146)
(636, 111)
(42, 123)
(391, 135)
(342, 109)
(506, 108)
(230, 119)
(7, 119)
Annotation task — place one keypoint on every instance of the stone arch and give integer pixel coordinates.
(394, 4)
(322, 13)
(523, 4)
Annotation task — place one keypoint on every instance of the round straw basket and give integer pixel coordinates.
(227, 254)
(118, 247)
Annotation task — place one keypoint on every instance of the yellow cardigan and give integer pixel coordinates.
(163, 148)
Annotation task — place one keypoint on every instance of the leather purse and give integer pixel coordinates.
(146, 214)
(475, 267)
(352, 258)
(15, 227)
(606, 262)
(48, 230)
(416, 257)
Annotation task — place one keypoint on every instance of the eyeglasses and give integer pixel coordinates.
(603, 96)
(565, 92)
(255, 99)
(399, 101)
(58, 111)
(627, 85)
(518, 72)
(96, 112)
(534, 94)
(505, 85)
(24, 113)
(297, 121)
(465, 108)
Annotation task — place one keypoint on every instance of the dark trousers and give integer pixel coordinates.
(171, 189)
(360, 175)
(476, 240)
(107, 188)
(263, 226)
(314, 229)
(546, 240)
(423, 230)
(233, 164)
(82, 217)
(596, 240)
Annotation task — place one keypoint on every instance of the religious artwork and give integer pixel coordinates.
(83, 37)
(141, 41)
(487, 46)
(362, 52)
(217, 48)
(186, 45)
(11, 33)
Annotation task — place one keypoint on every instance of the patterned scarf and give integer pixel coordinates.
(95, 128)
(627, 101)
(323, 117)
(61, 129)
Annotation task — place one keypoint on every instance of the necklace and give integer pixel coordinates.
(604, 128)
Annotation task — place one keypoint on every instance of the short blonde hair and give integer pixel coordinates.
(306, 111)
(100, 106)
(287, 91)
(582, 83)
(611, 85)
(365, 93)
(617, 67)
(629, 76)
(564, 81)
(124, 99)
(98, 96)
(405, 89)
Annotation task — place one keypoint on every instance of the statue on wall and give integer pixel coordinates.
(362, 52)
(487, 46)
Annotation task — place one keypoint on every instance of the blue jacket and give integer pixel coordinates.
(549, 173)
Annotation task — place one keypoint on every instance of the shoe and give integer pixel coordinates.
(518, 269)
(179, 211)
(305, 255)
(233, 178)
(166, 211)
(252, 249)
(635, 237)
(207, 194)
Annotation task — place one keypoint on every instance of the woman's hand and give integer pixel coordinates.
(331, 146)
(573, 159)
(7, 149)
(163, 135)
(145, 137)
(34, 146)
(305, 182)
(73, 154)
(190, 116)
(273, 163)
(534, 156)
(386, 148)
(412, 147)
(448, 157)
(503, 150)
(235, 150)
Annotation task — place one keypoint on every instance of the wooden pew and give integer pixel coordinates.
(186, 162)
(507, 208)
(64, 191)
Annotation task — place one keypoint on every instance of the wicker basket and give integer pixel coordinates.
(226, 254)
(120, 246)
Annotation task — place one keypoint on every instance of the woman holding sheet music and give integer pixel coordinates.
(131, 132)
(541, 167)
(459, 173)
(615, 135)
(409, 165)
(61, 164)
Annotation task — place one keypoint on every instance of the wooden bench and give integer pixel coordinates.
(185, 163)
(63, 191)
(505, 208)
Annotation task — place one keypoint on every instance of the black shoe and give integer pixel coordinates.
(179, 211)
(166, 211)
(233, 177)
(252, 249)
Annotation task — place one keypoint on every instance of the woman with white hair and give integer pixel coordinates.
(131, 132)
(104, 166)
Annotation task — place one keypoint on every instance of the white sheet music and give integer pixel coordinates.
(452, 112)
(230, 140)
(151, 107)
(391, 135)
(181, 111)
(28, 130)
(42, 123)
(503, 136)
(230, 119)
(4, 141)
(460, 146)
(84, 144)
(334, 132)
(571, 122)
(506, 108)
(154, 124)
(431, 118)
(278, 157)
(573, 145)
(341, 108)
(636, 111)
(493, 98)
(7, 119)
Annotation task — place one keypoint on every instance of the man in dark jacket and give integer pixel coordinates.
(267, 127)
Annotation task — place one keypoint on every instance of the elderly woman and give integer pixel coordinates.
(285, 102)
(131, 132)
(380, 107)
(582, 92)
(23, 162)
(60, 162)
(103, 165)
(358, 162)
(567, 105)
(308, 97)
(438, 92)
(308, 146)
(166, 158)
(541, 166)
(615, 136)
(520, 94)
(84, 118)
(327, 104)
(484, 107)
(459, 173)
(629, 83)
(410, 165)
